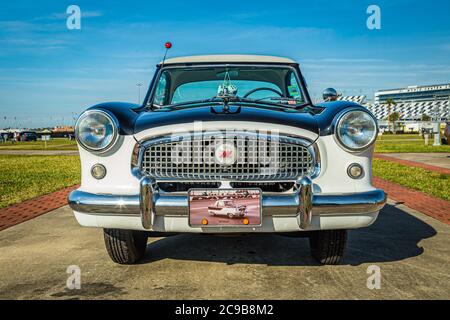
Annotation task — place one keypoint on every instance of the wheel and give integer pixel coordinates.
(230, 215)
(125, 246)
(327, 246)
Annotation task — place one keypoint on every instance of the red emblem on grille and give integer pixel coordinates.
(226, 154)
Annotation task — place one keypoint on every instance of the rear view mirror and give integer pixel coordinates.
(329, 94)
(231, 73)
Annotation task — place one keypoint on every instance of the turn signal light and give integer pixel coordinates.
(98, 171)
(245, 221)
(355, 171)
(204, 221)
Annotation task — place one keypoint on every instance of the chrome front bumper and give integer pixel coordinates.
(303, 204)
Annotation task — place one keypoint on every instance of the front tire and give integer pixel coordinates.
(327, 246)
(125, 246)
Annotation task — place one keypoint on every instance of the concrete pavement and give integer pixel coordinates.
(435, 159)
(412, 250)
(40, 152)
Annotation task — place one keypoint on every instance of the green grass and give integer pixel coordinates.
(389, 136)
(25, 177)
(429, 182)
(392, 143)
(54, 144)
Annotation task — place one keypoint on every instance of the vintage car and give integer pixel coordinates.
(227, 208)
(28, 136)
(230, 122)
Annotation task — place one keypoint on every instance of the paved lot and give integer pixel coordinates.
(412, 250)
(435, 159)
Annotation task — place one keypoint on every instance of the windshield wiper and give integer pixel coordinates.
(185, 103)
(285, 101)
(223, 100)
(234, 99)
(301, 106)
(258, 101)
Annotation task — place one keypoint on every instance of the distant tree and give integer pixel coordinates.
(394, 116)
(389, 103)
(426, 117)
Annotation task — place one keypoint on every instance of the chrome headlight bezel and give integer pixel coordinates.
(338, 123)
(114, 135)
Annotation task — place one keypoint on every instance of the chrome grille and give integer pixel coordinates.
(259, 157)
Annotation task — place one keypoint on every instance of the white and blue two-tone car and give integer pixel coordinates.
(227, 208)
(237, 122)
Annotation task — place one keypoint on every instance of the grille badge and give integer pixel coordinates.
(225, 154)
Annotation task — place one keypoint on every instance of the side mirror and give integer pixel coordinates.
(329, 94)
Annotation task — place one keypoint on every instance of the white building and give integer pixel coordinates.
(414, 94)
(411, 102)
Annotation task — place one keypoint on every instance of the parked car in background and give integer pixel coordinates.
(426, 130)
(3, 136)
(28, 136)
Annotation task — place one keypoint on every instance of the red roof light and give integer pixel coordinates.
(168, 45)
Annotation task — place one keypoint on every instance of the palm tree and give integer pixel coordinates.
(389, 102)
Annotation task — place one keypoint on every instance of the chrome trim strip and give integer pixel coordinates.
(164, 204)
(103, 203)
(305, 202)
(147, 202)
(355, 203)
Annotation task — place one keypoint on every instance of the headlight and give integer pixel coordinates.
(356, 130)
(96, 130)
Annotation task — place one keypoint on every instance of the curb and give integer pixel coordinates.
(436, 208)
(413, 164)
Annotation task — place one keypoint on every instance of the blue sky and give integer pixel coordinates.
(49, 74)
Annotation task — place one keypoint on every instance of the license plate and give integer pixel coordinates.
(224, 207)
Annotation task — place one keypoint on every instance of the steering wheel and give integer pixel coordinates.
(261, 89)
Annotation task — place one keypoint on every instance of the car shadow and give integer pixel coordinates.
(393, 237)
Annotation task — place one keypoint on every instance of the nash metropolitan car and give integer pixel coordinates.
(238, 122)
(227, 208)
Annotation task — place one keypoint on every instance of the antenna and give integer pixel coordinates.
(168, 45)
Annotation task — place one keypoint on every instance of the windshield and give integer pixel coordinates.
(251, 83)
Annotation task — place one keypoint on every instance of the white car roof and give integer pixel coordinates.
(225, 58)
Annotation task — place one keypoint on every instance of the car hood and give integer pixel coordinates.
(134, 118)
(282, 116)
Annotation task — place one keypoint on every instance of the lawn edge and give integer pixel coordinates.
(431, 206)
(410, 163)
